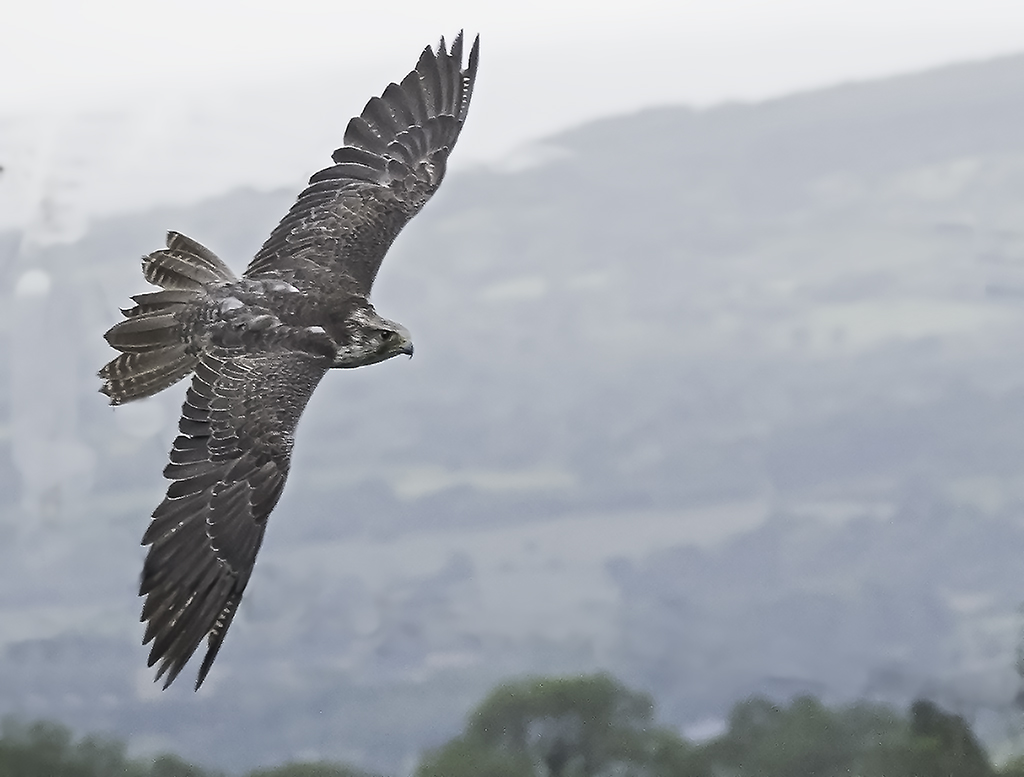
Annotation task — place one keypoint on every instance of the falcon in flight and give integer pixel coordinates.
(257, 346)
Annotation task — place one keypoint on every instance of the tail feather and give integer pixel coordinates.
(138, 374)
(152, 301)
(184, 265)
(144, 332)
(155, 351)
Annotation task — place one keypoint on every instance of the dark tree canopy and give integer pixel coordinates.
(585, 725)
(593, 726)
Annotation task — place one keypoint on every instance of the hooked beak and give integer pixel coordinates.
(405, 341)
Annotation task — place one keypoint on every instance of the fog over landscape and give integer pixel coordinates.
(724, 401)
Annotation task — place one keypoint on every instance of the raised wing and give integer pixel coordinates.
(228, 467)
(393, 160)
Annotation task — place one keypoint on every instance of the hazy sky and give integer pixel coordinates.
(219, 85)
(589, 58)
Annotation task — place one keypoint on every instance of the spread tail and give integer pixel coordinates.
(155, 351)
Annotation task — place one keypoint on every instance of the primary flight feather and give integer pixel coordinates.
(257, 346)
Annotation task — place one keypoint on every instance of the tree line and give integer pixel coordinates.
(594, 726)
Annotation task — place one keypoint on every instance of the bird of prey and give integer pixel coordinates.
(257, 346)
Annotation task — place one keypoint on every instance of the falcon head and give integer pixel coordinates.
(372, 339)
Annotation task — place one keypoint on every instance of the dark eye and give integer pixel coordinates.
(385, 336)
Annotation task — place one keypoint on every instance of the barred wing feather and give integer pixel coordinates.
(393, 160)
(227, 470)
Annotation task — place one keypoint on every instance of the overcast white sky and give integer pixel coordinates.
(227, 83)
(685, 50)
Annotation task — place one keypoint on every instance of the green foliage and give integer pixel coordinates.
(805, 738)
(46, 749)
(599, 717)
(171, 766)
(468, 757)
(948, 747)
(932, 743)
(585, 725)
(593, 726)
(1015, 768)
(310, 769)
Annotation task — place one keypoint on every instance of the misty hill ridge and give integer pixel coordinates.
(901, 121)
